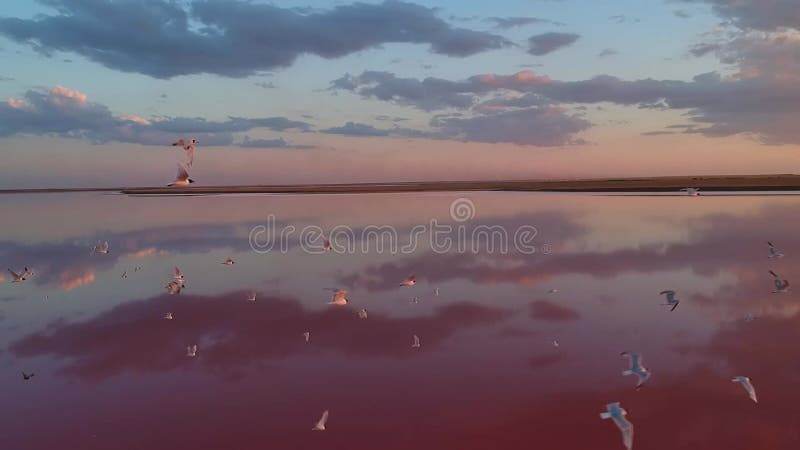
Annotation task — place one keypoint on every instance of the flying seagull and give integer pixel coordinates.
(362, 314)
(101, 247)
(168, 316)
(416, 342)
(307, 335)
(671, 300)
(435, 292)
(320, 426)
(191, 351)
(748, 386)
(694, 192)
(636, 368)
(189, 148)
(173, 287)
(409, 281)
(339, 298)
(553, 291)
(617, 414)
(182, 178)
(26, 376)
(773, 251)
(251, 297)
(16, 277)
(781, 286)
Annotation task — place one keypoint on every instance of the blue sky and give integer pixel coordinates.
(61, 43)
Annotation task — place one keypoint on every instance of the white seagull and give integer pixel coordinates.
(773, 251)
(435, 292)
(553, 291)
(101, 247)
(781, 286)
(228, 262)
(189, 148)
(320, 426)
(339, 298)
(615, 412)
(168, 316)
(636, 368)
(409, 281)
(173, 287)
(671, 300)
(694, 192)
(191, 351)
(362, 314)
(307, 336)
(415, 344)
(748, 386)
(16, 277)
(251, 297)
(182, 178)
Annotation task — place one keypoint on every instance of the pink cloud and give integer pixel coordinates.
(71, 279)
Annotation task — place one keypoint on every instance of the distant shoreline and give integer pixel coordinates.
(641, 184)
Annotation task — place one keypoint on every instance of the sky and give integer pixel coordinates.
(94, 92)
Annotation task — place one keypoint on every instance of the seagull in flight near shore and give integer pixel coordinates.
(228, 262)
(320, 426)
(182, 178)
(671, 300)
(27, 376)
(781, 286)
(616, 413)
(173, 287)
(168, 316)
(435, 292)
(363, 314)
(191, 351)
(101, 247)
(339, 298)
(553, 291)
(636, 368)
(748, 386)
(415, 344)
(189, 148)
(409, 281)
(307, 335)
(17, 277)
(694, 192)
(773, 251)
(251, 297)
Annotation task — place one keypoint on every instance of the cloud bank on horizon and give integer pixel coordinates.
(751, 88)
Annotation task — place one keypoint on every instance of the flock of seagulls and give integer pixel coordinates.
(614, 411)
